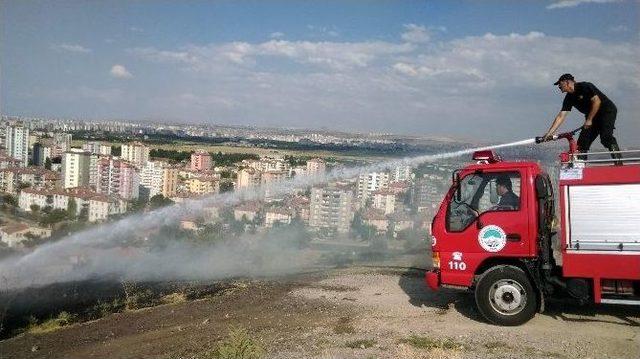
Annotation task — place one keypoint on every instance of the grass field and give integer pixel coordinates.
(191, 146)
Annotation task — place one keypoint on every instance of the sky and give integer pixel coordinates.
(460, 69)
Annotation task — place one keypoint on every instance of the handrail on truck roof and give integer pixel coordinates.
(574, 157)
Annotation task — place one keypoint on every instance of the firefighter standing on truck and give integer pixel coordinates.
(600, 114)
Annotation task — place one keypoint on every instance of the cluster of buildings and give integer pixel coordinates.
(387, 202)
(94, 181)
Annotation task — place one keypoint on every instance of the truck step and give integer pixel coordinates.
(620, 301)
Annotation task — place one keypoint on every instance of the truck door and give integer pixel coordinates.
(486, 217)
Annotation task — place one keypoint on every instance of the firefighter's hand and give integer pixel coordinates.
(587, 124)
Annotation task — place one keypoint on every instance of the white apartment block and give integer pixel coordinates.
(136, 153)
(316, 167)
(384, 200)
(97, 206)
(159, 178)
(75, 168)
(247, 178)
(401, 173)
(276, 215)
(17, 143)
(97, 148)
(331, 208)
(268, 164)
(371, 182)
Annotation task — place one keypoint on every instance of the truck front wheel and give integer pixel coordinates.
(505, 296)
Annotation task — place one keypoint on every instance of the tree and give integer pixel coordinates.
(72, 208)
(211, 232)
(116, 150)
(226, 186)
(158, 201)
(23, 185)
(137, 205)
(34, 208)
(84, 213)
(55, 216)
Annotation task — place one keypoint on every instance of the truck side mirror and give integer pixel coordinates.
(493, 192)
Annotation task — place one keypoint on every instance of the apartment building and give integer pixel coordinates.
(17, 143)
(369, 183)
(96, 206)
(200, 161)
(316, 167)
(203, 185)
(247, 178)
(159, 177)
(117, 177)
(75, 168)
(331, 208)
(13, 178)
(384, 200)
(136, 153)
(97, 148)
(401, 173)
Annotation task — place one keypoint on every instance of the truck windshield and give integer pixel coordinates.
(483, 192)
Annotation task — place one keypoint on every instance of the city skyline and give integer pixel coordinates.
(431, 68)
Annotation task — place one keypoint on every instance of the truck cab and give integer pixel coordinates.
(493, 234)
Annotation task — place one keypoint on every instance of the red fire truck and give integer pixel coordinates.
(496, 233)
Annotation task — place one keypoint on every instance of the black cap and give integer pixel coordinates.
(564, 77)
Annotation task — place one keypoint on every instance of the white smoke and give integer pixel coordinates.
(102, 251)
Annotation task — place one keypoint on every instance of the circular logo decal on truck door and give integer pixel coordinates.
(492, 238)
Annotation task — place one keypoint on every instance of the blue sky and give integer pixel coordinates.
(458, 69)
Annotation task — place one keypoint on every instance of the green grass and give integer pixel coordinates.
(421, 342)
(238, 345)
(361, 344)
(50, 325)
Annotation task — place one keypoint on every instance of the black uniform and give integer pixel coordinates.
(509, 199)
(604, 120)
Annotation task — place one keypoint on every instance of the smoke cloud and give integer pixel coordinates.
(108, 250)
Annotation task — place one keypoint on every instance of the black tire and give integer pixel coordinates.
(505, 296)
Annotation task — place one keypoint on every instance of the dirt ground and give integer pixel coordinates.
(350, 313)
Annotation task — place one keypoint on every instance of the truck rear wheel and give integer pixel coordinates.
(505, 296)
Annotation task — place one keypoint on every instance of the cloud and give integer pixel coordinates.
(573, 3)
(504, 63)
(330, 55)
(415, 33)
(323, 31)
(276, 35)
(618, 28)
(476, 82)
(121, 72)
(71, 48)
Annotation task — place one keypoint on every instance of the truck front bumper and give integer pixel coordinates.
(432, 278)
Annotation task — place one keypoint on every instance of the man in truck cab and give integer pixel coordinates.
(600, 114)
(508, 199)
